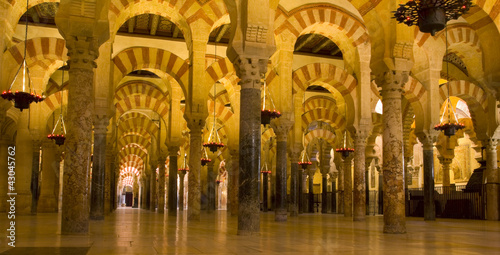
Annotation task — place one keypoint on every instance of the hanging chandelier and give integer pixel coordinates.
(184, 167)
(304, 161)
(264, 169)
(448, 123)
(268, 111)
(61, 136)
(431, 15)
(204, 159)
(214, 141)
(345, 150)
(22, 99)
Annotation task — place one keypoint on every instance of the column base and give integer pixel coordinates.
(280, 216)
(395, 229)
(358, 218)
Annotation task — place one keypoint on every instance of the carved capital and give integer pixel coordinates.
(195, 122)
(491, 144)
(250, 71)
(360, 136)
(281, 127)
(82, 52)
(445, 161)
(173, 151)
(428, 138)
(392, 83)
(101, 123)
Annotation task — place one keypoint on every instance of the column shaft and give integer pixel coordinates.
(49, 193)
(161, 184)
(23, 159)
(311, 190)
(359, 195)
(233, 182)
(281, 162)
(98, 169)
(347, 186)
(211, 175)
(194, 175)
(265, 187)
(294, 187)
(181, 190)
(152, 187)
(429, 206)
(172, 180)
(324, 195)
(300, 189)
(35, 177)
(492, 181)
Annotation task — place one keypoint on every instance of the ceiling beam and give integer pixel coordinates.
(131, 24)
(155, 22)
(304, 41)
(222, 31)
(323, 43)
(176, 31)
(335, 51)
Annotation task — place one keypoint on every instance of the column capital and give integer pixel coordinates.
(491, 144)
(294, 152)
(445, 160)
(392, 82)
(250, 70)
(281, 127)
(101, 123)
(195, 121)
(82, 52)
(173, 150)
(428, 138)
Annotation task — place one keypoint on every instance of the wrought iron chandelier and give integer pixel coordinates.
(205, 159)
(304, 160)
(431, 15)
(345, 150)
(268, 111)
(184, 167)
(214, 141)
(448, 123)
(264, 169)
(61, 136)
(22, 99)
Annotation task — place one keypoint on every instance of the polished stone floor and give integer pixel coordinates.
(136, 231)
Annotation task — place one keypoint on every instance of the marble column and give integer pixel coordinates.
(182, 174)
(359, 195)
(35, 176)
(250, 71)
(334, 193)
(147, 191)
(301, 188)
(324, 191)
(49, 193)
(281, 127)
(211, 176)
(98, 168)
(445, 168)
(492, 180)
(265, 189)
(4, 173)
(367, 186)
(152, 185)
(294, 187)
(172, 180)
(107, 178)
(394, 204)
(161, 183)
(195, 124)
(311, 173)
(325, 169)
(340, 187)
(347, 167)
(82, 52)
(428, 157)
(233, 171)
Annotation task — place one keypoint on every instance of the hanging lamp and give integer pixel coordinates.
(448, 123)
(431, 15)
(61, 136)
(268, 111)
(22, 99)
(184, 167)
(264, 169)
(345, 150)
(204, 159)
(214, 142)
(304, 160)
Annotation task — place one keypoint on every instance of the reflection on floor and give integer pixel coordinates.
(136, 231)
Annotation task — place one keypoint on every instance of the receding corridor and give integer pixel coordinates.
(136, 231)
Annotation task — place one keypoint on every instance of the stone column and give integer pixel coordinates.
(195, 124)
(265, 188)
(347, 167)
(311, 173)
(250, 71)
(445, 168)
(161, 183)
(211, 176)
(98, 168)
(301, 188)
(49, 193)
(492, 180)
(325, 169)
(152, 185)
(340, 185)
(233, 172)
(281, 127)
(181, 190)
(147, 191)
(367, 185)
(294, 187)
(4, 172)
(172, 180)
(107, 177)
(35, 176)
(359, 195)
(394, 204)
(82, 52)
(428, 157)
(334, 192)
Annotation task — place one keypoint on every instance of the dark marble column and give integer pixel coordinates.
(367, 186)
(334, 193)
(195, 124)
(394, 204)
(281, 127)
(301, 188)
(324, 169)
(359, 195)
(324, 193)
(311, 173)
(49, 193)
(211, 176)
(265, 189)
(492, 180)
(147, 191)
(182, 174)
(82, 52)
(161, 183)
(294, 179)
(347, 167)
(250, 71)
(35, 176)
(152, 185)
(340, 191)
(98, 168)
(233, 172)
(172, 180)
(429, 205)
